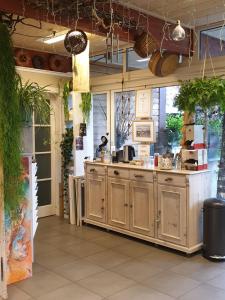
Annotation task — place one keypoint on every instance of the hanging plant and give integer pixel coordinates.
(32, 98)
(66, 92)
(67, 153)
(86, 106)
(208, 94)
(10, 123)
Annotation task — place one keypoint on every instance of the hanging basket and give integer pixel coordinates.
(75, 41)
(23, 58)
(56, 63)
(145, 45)
(163, 65)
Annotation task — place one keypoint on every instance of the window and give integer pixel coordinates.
(212, 42)
(124, 115)
(134, 61)
(99, 118)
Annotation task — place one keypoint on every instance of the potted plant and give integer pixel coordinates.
(85, 107)
(208, 94)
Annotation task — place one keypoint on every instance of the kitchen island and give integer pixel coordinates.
(160, 206)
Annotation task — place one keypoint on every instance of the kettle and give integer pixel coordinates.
(128, 153)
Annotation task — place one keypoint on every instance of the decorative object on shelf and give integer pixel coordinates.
(10, 125)
(163, 64)
(56, 63)
(83, 129)
(145, 45)
(143, 131)
(38, 61)
(23, 58)
(143, 107)
(75, 41)
(86, 106)
(102, 147)
(67, 154)
(165, 161)
(178, 33)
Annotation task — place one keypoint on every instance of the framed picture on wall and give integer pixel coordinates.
(143, 131)
(143, 107)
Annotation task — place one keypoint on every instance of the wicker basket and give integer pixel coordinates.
(163, 65)
(145, 45)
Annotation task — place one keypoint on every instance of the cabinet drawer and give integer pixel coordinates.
(98, 170)
(141, 176)
(176, 180)
(118, 173)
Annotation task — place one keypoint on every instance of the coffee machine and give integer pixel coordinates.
(128, 153)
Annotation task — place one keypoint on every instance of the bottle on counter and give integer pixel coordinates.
(156, 159)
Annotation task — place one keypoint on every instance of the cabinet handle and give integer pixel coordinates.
(103, 199)
(92, 170)
(116, 172)
(125, 204)
(131, 206)
(102, 208)
(169, 179)
(138, 176)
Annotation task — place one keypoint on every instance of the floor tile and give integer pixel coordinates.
(63, 241)
(42, 283)
(41, 247)
(204, 292)
(78, 270)
(218, 281)
(162, 259)
(110, 241)
(37, 268)
(134, 249)
(201, 270)
(55, 259)
(171, 283)
(90, 234)
(84, 249)
(108, 258)
(14, 293)
(139, 292)
(106, 283)
(136, 270)
(70, 292)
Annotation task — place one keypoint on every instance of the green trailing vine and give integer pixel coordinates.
(10, 123)
(86, 106)
(66, 92)
(67, 153)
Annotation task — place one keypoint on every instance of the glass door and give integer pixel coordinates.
(42, 152)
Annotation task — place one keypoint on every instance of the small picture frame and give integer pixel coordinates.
(144, 131)
(143, 107)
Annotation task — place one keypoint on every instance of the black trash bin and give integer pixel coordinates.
(214, 229)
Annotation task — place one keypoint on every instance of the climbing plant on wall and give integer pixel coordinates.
(10, 123)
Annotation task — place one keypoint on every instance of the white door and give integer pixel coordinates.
(43, 152)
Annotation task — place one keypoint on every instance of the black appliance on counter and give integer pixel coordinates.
(125, 155)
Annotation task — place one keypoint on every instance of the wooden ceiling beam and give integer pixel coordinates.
(146, 22)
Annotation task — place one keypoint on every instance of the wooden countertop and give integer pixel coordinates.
(145, 168)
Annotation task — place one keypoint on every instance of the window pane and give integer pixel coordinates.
(124, 116)
(44, 193)
(37, 118)
(42, 139)
(100, 118)
(212, 42)
(44, 165)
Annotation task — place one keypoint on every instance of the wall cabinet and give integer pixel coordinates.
(163, 207)
(96, 198)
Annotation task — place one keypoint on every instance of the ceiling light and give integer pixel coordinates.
(178, 33)
(54, 39)
(143, 59)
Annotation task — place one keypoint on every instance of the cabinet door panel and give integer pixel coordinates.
(96, 208)
(118, 202)
(142, 208)
(172, 219)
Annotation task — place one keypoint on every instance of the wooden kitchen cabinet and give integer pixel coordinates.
(118, 202)
(172, 214)
(142, 208)
(96, 198)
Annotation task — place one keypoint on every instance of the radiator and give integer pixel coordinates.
(76, 199)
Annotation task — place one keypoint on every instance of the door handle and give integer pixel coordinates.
(116, 172)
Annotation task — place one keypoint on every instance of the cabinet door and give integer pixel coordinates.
(96, 207)
(118, 202)
(142, 208)
(172, 219)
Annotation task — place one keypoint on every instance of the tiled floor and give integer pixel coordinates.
(91, 264)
